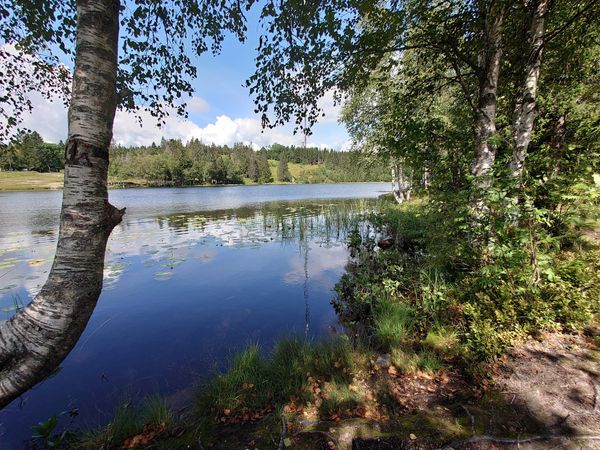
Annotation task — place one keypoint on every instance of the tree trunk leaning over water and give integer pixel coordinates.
(34, 342)
(525, 110)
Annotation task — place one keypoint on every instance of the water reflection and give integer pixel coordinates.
(181, 291)
(166, 242)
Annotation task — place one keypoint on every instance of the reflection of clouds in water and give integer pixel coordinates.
(205, 256)
(163, 243)
(112, 273)
(151, 238)
(25, 261)
(321, 260)
(174, 237)
(26, 258)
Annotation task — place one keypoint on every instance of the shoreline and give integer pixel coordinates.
(51, 184)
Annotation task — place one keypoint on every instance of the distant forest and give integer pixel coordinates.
(173, 163)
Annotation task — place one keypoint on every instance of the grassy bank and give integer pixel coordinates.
(304, 383)
(33, 181)
(30, 181)
(427, 322)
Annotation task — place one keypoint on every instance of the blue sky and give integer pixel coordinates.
(221, 110)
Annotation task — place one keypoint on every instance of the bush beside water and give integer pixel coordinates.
(432, 292)
(432, 301)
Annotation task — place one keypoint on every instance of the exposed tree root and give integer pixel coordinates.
(471, 417)
(281, 445)
(327, 436)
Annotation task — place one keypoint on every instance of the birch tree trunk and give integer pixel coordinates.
(401, 183)
(397, 182)
(525, 110)
(557, 143)
(426, 179)
(34, 342)
(485, 114)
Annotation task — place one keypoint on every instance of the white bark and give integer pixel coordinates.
(426, 179)
(401, 183)
(34, 342)
(485, 116)
(485, 112)
(558, 141)
(525, 109)
(395, 184)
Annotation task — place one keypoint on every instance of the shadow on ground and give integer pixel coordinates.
(546, 395)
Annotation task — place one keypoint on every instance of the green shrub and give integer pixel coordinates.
(455, 300)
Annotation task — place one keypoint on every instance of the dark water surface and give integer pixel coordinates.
(191, 275)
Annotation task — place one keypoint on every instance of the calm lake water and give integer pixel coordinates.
(191, 276)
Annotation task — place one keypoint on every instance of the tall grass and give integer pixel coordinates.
(256, 382)
(393, 322)
(128, 420)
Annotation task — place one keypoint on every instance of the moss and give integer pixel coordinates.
(339, 398)
(405, 361)
(437, 426)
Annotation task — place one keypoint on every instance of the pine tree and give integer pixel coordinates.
(283, 172)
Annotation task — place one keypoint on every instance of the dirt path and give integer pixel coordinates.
(545, 395)
(555, 382)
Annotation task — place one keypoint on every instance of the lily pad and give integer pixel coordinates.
(163, 275)
(36, 262)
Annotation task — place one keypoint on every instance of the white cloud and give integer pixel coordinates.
(197, 104)
(346, 146)
(330, 108)
(128, 131)
(227, 131)
(223, 131)
(50, 120)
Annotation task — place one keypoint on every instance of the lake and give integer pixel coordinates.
(191, 275)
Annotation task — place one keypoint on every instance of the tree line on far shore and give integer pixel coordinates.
(28, 151)
(174, 163)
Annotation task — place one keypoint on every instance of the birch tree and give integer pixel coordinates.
(484, 123)
(336, 45)
(572, 31)
(147, 66)
(402, 185)
(525, 108)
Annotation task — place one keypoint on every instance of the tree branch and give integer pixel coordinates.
(568, 23)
